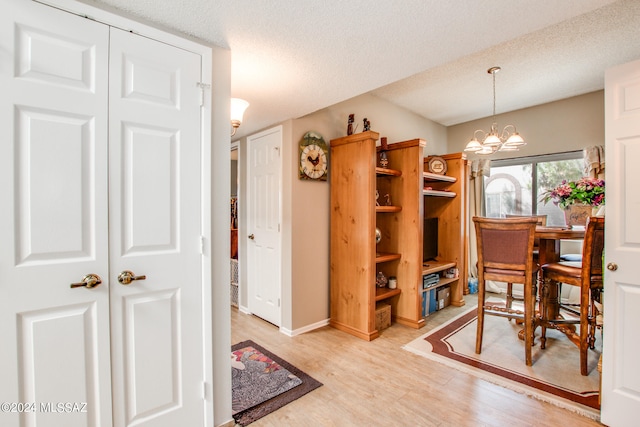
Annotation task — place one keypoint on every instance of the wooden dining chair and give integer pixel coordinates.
(587, 275)
(542, 222)
(504, 254)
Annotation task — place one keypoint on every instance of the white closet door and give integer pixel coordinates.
(154, 162)
(53, 221)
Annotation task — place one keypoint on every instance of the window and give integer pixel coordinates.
(515, 185)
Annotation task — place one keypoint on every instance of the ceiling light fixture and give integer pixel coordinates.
(492, 141)
(237, 111)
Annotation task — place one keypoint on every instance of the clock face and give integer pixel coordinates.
(313, 162)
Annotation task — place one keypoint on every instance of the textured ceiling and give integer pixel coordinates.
(294, 57)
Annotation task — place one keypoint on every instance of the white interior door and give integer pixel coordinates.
(621, 375)
(53, 181)
(154, 149)
(78, 204)
(263, 224)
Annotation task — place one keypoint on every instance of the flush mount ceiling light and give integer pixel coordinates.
(237, 111)
(508, 140)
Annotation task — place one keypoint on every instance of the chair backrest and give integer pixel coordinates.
(592, 248)
(542, 219)
(542, 222)
(505, 243)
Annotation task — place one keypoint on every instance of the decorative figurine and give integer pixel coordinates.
(387, 198)
(384, 161)
(381, 280)
(350, 125)
(383, 143)
(367, 124)
(377, 197)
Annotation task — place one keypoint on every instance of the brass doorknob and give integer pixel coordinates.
(612, 266)
(251, 236)
(89, 281)
(127, 277)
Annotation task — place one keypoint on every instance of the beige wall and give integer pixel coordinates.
(566, 125)
(310, 200)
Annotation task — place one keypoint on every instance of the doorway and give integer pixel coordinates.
(234, 224)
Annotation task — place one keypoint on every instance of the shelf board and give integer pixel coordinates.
(384, 293)
(388, 208)
(443, 281)
(435, 177)
(436, 266)
(385, 257)
(389, 172)
(438, 193)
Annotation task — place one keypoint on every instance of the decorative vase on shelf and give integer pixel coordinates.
(577, 214)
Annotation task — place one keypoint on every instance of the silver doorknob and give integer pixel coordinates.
(612, 266)
(251, 236)
(127, 277)
(89, 281)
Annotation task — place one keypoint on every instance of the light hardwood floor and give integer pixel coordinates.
(378, 384)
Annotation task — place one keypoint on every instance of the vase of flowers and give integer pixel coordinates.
(578, 198)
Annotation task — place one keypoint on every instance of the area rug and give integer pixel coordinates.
(262, 382)
(555, 374)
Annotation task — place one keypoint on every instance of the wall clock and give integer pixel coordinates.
(314, 164)
(437, 165)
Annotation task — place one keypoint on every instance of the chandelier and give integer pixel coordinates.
(507, 140)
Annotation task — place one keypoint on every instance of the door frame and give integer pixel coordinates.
(215, 132)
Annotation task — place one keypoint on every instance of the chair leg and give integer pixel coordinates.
(584, 327)
(480, 320)
(593, 320)
(509, 294)
(528, 322)
(544, 295)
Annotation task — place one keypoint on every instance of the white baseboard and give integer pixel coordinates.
(304, 329)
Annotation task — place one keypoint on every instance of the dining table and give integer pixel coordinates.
(549, 251)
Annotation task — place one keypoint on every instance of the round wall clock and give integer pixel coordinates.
(437, 165)
(314, 163)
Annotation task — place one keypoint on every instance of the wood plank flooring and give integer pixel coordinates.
(378, 384)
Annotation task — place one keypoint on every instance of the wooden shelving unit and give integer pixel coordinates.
(355, 257)
(446, 199)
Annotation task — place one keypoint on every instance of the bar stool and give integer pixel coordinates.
(542, 222)
(587, 275)
(504, 254)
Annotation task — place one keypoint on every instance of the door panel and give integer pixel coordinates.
(154, 150)
(620, 373)
(152, 342)
(149, 161)
(53, 179)
(264, 250)
(54, 208)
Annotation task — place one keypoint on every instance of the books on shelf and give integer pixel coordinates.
(429, 302)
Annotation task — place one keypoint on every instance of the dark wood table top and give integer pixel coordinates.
(558, 233)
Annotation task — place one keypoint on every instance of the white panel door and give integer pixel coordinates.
(154, 162)
(263, 227)
(621, 372)
(53, 221)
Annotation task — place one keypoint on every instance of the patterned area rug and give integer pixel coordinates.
(262, 382)
(555, 374)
